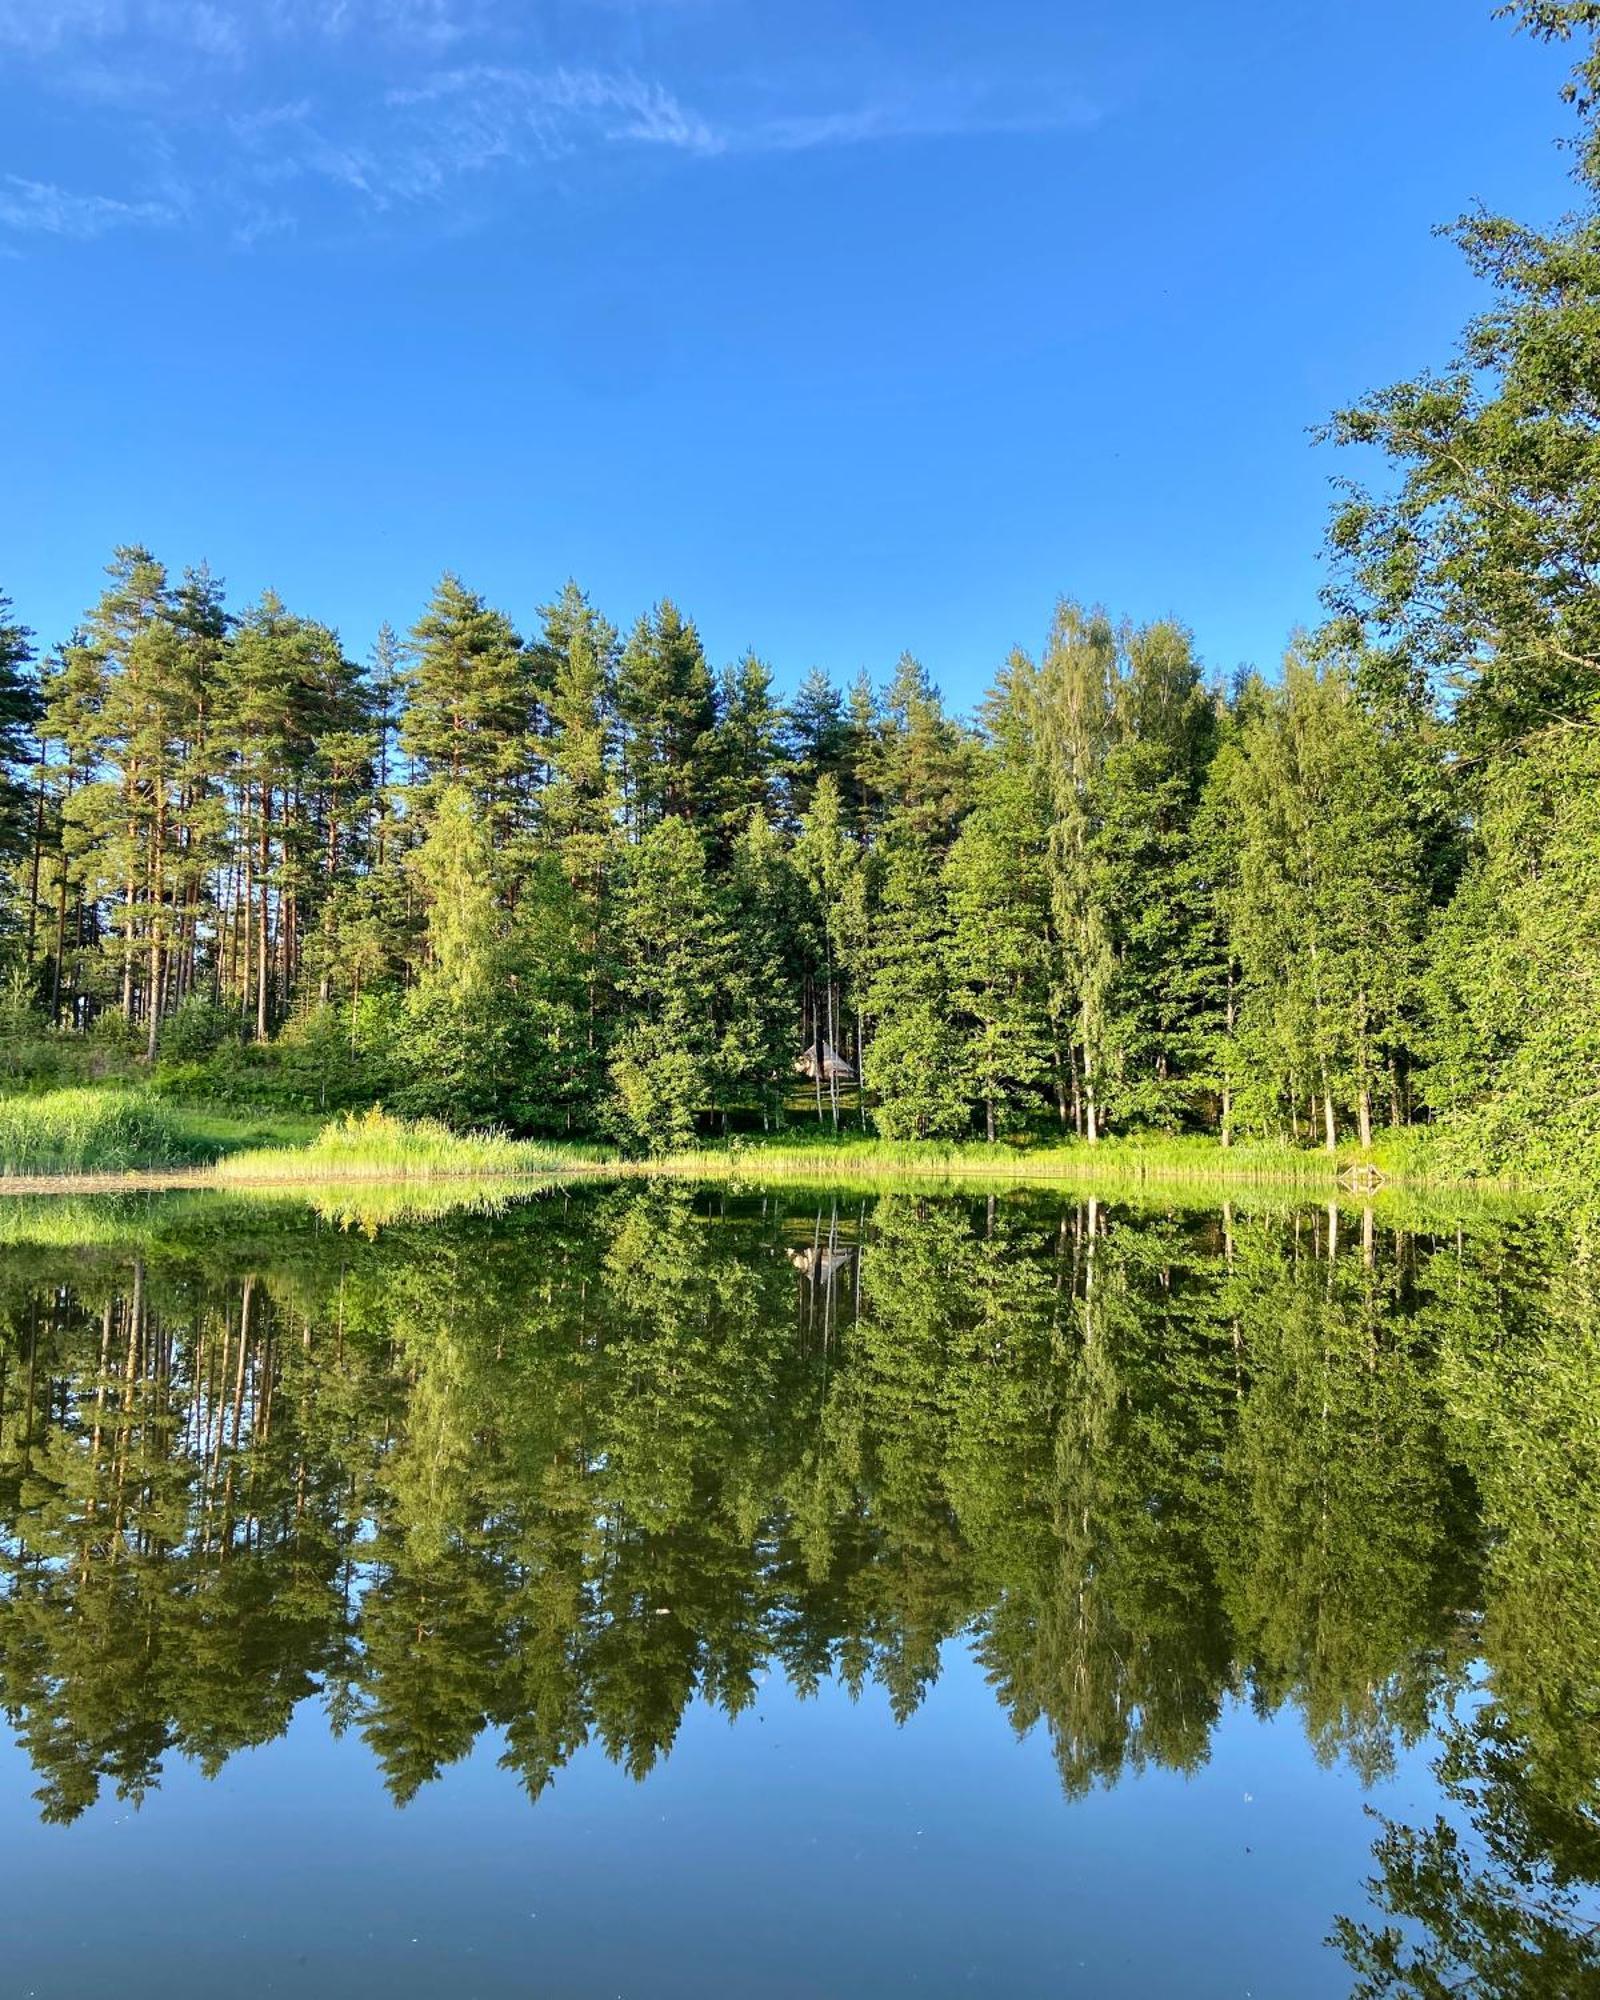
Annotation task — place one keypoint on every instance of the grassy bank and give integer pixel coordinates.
(116, 1130)
(1398, 1160)
(371, 1145)
(92, 1129)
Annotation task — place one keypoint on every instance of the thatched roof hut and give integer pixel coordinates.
(823, 1063)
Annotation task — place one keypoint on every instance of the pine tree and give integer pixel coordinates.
(677, 955)
(766, 894)
(1162, 988)
(918, 760)
(287, 681)
(997, 954)
(469, 715)
(913, 1061)
(147, 717)
(576, 662)
(21, 784)
(458, 1037)
(667, 702)
(745, 753)
(386, 685)
(834, 940)
(74, 689)
(816, 741)
(581, 803)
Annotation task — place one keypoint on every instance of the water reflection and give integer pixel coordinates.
(561, 1471)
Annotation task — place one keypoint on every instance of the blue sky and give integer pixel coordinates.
(853, 327)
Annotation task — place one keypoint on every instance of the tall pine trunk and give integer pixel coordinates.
(263, 932)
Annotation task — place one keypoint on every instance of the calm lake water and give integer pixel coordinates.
(650, 1591)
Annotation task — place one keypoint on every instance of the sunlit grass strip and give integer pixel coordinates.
(1197, 1161)
(374, 1146)
(83, 1132)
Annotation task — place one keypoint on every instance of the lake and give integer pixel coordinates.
(648, 1590)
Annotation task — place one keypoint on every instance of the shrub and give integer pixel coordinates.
(197, 1029)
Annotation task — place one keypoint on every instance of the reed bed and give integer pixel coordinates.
(374, 1146)
(1197, 1161)
(85, 1130)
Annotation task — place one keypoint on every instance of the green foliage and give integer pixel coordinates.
(376, 1145)
(468, 708)
(675, 971)
(667, 708)
(1514, 979)
(577, 884)
(20, 710)
(1324, 911)
(197, 1029)
(996, 894)
(915, 1070)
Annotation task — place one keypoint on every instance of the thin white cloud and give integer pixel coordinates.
(211, 32)
(629, 108)
(225, 30)
(39, 26)
(265, 119)
(479, 112)
(389, 104)
(41, 207)
(930, 115)
(559, 105)
(435, 24)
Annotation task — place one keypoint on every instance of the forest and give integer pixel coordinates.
(530, 869)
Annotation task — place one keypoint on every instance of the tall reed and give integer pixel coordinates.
(373, 1145)
(84, 1130)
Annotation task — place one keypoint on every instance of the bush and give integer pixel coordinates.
(197, 1029)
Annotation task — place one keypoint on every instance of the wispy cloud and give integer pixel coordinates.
(437, 24)
(488, 110)
(464, 118)
(227, 29)
(207, 27)
(387, 105)
(36, 28)
(42, 207)
(937, 114)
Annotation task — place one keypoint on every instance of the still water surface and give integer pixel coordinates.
(655, 1592)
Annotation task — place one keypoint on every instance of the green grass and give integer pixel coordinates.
(224, 1132)
(113, 1128)
(368, 1170)
(88, 1130)
(109, 1129)
(1399, 1160)
(372, 1145)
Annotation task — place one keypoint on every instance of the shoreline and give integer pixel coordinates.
(1353, 1183)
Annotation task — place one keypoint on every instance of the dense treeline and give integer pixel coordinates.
(579, 882)
(564, 1473)
(571, 881)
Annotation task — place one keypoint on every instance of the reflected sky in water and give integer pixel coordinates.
(653, 1591)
